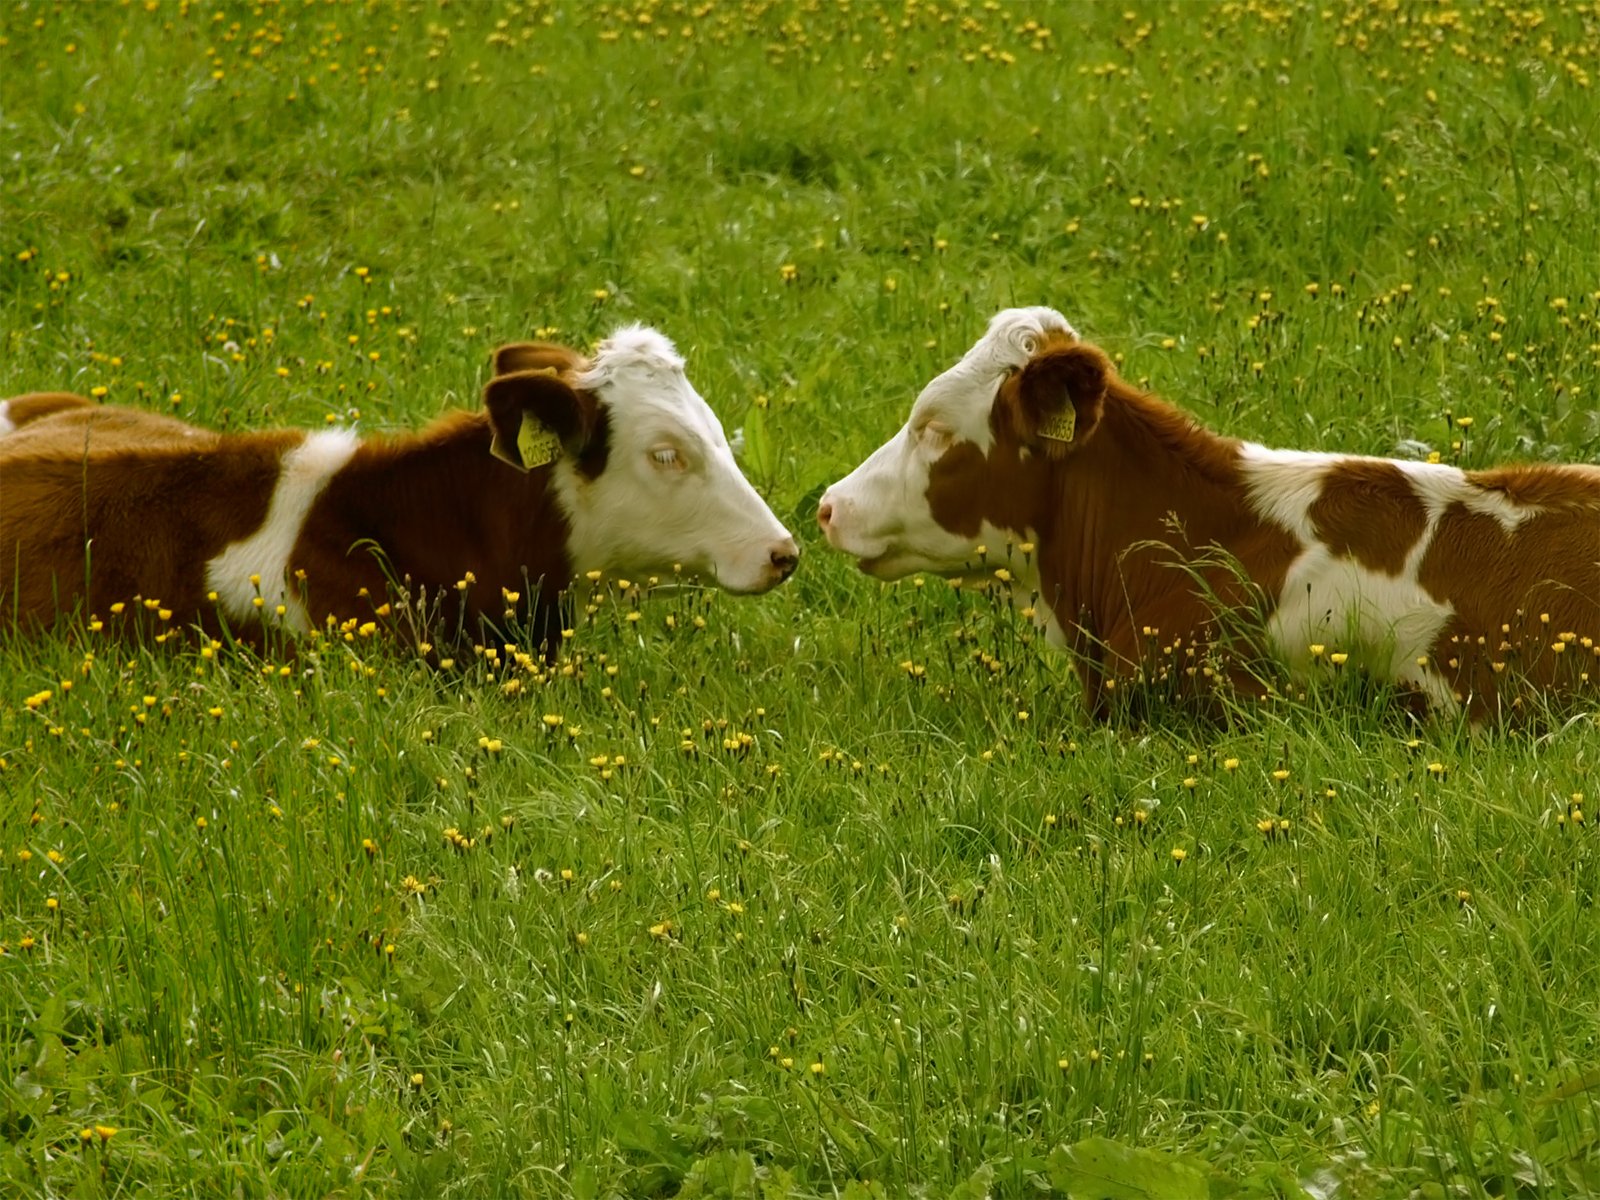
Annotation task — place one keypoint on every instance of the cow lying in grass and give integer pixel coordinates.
(1134, 535)
(614, 464)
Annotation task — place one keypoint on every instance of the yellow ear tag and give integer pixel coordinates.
(1060, 427)
(537, 445)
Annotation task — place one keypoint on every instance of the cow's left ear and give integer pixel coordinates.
(537, 356)
(537, 417)
(1055, 401)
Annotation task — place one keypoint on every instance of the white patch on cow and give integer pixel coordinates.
(1439, 486)
(1284, 484)
(7, 425)
(302, 475)
(879, 513)
(671, 494)
(1387, 624)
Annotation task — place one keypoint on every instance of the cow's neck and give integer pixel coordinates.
(1147, 479)
(439, 506)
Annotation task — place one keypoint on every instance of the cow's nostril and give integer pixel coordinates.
(824, 514)
(785, 561)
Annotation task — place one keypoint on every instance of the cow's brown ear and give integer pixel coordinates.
(537, 356)
(537, 417)
(1056, 399)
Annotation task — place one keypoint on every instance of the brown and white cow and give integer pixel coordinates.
(1132, 533)
(613, 464)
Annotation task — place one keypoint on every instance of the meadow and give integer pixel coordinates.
(834, 892)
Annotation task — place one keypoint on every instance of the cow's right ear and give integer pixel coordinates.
(536, 417)
(1055, 401)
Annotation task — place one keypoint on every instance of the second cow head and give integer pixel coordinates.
(955, 477)
(639, 461)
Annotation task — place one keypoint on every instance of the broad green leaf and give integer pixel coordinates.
(759, 454)
(977, 1186)
(1100, 1169)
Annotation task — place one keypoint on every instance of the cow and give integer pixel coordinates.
(573, 465)
(1136, 539)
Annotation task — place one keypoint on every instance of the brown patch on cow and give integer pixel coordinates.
(1515, 595)
(967, 487)
(1368, 511)
(102, 504)
(422, 511)
(1543, 485)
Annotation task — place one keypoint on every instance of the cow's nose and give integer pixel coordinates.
(824, 514)
(785, 558)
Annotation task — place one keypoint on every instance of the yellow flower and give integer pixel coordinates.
(1179, 854)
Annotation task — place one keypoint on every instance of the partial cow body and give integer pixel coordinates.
(630, 472)
(1145, 535)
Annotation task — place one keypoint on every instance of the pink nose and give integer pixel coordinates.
(824, 514)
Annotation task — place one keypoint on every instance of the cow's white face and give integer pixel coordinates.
(889, 513)
(648, 481)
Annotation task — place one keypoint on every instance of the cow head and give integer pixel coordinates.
(969, 466)
(639, 461)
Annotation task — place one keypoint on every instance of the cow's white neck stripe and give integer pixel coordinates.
(303, 474)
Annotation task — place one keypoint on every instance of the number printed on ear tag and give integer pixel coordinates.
(1060, 427)
(537, 445)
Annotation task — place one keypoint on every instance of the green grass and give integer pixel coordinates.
(270, 969)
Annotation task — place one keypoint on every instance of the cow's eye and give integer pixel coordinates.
(666, 456)
(936, 435)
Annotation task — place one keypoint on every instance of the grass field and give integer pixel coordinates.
(834, 892)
